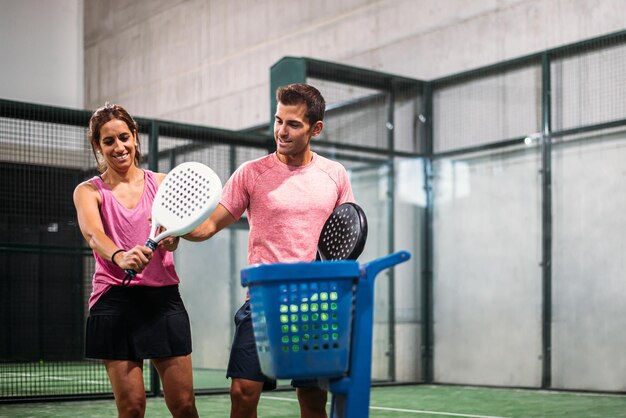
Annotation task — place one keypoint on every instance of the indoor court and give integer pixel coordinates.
(504, 182)
(425, 401)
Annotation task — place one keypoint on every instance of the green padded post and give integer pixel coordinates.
(287, 70)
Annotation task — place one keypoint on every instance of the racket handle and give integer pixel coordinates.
(130, 274)
(151, 244)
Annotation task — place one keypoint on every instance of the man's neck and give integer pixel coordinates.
(296, 160)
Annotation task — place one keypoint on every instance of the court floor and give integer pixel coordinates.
(386, 402)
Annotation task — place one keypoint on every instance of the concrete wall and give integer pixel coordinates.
(41, 49)
(207, 62)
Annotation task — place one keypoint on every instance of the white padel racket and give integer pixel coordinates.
(186, 197)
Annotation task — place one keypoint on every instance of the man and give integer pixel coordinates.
(288, 195)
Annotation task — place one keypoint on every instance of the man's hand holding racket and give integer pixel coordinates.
(169, 243)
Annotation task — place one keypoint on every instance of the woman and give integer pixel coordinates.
(147, 319)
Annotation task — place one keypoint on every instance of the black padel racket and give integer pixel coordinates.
(344, 234)
(186, 197)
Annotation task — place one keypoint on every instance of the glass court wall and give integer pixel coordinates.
(528, 189)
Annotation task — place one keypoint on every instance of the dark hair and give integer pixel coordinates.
(294, 94)
(103, 115)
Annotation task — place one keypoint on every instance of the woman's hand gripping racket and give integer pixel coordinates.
(344, 234)
(186, 197)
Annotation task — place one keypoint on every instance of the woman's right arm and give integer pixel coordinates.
(87, 201)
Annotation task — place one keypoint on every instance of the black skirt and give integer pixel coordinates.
(138, 322)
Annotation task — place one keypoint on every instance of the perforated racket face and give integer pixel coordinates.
(344, 234)
(189, 193)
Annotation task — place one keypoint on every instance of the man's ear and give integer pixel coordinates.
(317, 128)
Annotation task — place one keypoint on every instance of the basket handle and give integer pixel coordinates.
(374, 267)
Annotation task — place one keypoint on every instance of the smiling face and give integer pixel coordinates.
(96, 134)
(293, 133)
(117, 145)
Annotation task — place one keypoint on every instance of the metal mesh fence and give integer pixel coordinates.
(487, 106)
(356, 115)
(45, 267)
(588, 84)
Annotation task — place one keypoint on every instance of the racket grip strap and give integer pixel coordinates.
(130, 274)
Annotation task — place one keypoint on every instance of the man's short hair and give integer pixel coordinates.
(295, 94)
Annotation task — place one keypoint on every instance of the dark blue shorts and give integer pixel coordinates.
(244, 360)
(138, 322)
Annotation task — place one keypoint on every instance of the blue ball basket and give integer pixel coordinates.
(302, 317)
(314, 321)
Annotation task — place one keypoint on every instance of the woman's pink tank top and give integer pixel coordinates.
(127, 228)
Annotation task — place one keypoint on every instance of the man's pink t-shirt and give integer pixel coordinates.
(127, 228)
(287, 205)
